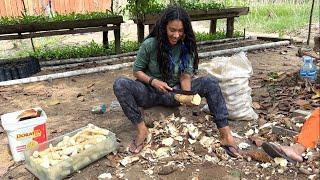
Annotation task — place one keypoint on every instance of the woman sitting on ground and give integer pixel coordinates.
(168, 58)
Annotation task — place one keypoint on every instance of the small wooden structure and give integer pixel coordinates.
(13, 8)
(198, 15)
(23, 31)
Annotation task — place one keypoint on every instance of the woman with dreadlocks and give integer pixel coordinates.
(168, 58)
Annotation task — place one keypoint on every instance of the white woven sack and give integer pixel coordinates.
(229, 68)
(245, 94)
(243, 99)
(245, 114)
(236, 89)
(233, 74)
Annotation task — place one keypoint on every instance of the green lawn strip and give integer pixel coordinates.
(276, 18)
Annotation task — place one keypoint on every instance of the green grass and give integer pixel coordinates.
(92, 49)
(51, 48)
(277, 18)
(203, 36)
(56, 18)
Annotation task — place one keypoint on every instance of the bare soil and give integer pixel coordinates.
(77, 95)
(74, 97)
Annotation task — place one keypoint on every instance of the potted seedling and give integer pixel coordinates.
(26, 23)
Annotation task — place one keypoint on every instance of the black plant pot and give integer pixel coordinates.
(18, 68)
(14, 73)
(7, 73)
(23, 71)
(2, 76)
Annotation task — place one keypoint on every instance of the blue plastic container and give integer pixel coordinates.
(308, 69)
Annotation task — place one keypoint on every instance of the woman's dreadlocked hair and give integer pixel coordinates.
(160, 33)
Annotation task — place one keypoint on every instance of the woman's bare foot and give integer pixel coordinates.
(226, 137)
(227, 141)
(294, 152)
(139, 141)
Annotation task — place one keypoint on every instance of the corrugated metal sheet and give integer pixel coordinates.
(36, 7)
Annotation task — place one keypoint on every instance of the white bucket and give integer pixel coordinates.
(24, 134)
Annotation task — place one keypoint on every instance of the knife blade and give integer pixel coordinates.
(179, 91)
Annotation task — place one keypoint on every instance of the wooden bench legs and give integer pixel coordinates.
(140, 29)
(116, 32)
(230, 27)
(213, 26)
(105, 39)
(117, 39)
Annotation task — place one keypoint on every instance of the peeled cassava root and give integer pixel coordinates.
(188, 99)
(70, 146)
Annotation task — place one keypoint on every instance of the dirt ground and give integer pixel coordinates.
(77, 95)
(67, 103)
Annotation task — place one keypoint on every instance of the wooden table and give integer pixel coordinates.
(198, 15)
(23, 31)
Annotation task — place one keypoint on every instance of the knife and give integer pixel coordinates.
(179, 91)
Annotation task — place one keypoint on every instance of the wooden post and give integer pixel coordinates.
(230, 27)
(310, 22)
(213, 26)
(316, 43)
(25, 13)
(117, 39)
(105, 40)
(140, 28)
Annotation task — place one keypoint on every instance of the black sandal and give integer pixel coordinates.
(233, 153)
(274, 152)
(137, 148)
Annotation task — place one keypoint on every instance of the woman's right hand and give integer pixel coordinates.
(161, 86)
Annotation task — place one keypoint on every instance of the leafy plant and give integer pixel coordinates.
(92, 49)
(138, 8)
(129, 46)
(24, 19)
(197, 5)
(80, 16)
(203, 36)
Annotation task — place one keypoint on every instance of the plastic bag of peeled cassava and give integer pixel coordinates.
(233, 74)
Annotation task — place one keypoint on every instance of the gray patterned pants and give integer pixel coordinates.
(133, 94)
